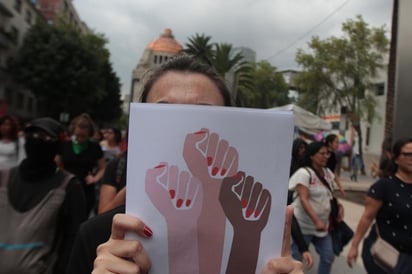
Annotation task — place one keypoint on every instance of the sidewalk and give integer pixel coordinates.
(362, 184)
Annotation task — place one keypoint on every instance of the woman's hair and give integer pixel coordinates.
(330, 138)
(83, 121)
(311, 150)
(397, 149)
(186, 63)
(14, 126)
(297, 143)
(296, 162)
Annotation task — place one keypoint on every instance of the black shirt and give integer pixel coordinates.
(332, 161)
(92, 233)
(394, 218)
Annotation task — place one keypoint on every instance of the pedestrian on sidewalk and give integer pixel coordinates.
(388, 204)
(332, 142)
(312, 205)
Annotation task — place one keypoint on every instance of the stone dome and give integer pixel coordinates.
(165, 43)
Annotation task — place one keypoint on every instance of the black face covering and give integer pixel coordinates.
(39, 162)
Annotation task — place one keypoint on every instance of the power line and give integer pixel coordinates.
(309, 31)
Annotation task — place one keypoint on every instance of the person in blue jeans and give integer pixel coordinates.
(356, 164)
(312, 206)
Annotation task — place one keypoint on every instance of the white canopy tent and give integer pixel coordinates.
(306, 121)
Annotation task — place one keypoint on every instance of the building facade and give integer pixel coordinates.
(53, 10)
(16, 18)
(156, 53)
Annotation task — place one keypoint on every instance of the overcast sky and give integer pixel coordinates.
(274, 29)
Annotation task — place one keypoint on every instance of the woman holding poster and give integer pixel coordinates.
(180, 81)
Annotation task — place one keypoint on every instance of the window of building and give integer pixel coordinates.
(155, 59)
(66, 6)
(30, 104)
(335, 124)
(380, 89)
(14, 34)
(17, 5)
(19, 100)
(28, 16)
(160, 59)
(9, 96)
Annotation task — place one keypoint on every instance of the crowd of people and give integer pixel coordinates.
(54, 180)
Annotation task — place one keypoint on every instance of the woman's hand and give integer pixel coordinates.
(320, 226)
(308, 259)
(352, 256)
(89, 179)
(341, 213)
(285, 264)
(118, 255)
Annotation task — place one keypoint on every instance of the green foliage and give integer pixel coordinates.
(70, 71)
(222, 58)
(339, 71)
(200, 46)
(268, 88)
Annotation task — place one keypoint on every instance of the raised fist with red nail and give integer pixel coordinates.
(210, 159)
(247, 206)
(178, 197)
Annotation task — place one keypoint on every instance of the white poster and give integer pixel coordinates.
(211, 183)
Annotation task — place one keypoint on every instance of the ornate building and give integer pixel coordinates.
(156, 53)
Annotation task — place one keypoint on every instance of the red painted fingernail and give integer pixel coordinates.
(188, 202)
(160, 166)
(223, 172)
(172, 193)
(215, 170)
(237, 175)
(209, 161)
(147, 231)
(199, 132)
(248, 213)
(257, 213)
(244, 203)
(179, 203)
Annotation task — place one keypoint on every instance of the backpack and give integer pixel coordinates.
(28, 239)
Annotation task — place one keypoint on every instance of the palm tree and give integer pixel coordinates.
(200, 46)
(224, 59)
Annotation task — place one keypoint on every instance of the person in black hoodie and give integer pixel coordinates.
(43, 206)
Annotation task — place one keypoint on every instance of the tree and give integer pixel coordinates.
(222, 58)
(200, 46)
(339, 71)
(269, 88)
(64, 68)
(225, 59)
(108, 109)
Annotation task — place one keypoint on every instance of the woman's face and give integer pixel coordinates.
(5, 128)
(185, 88)
(334, 144)
(301, 150)
(109, 135)
(320, 158)
(82, 134)
(404, 160)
